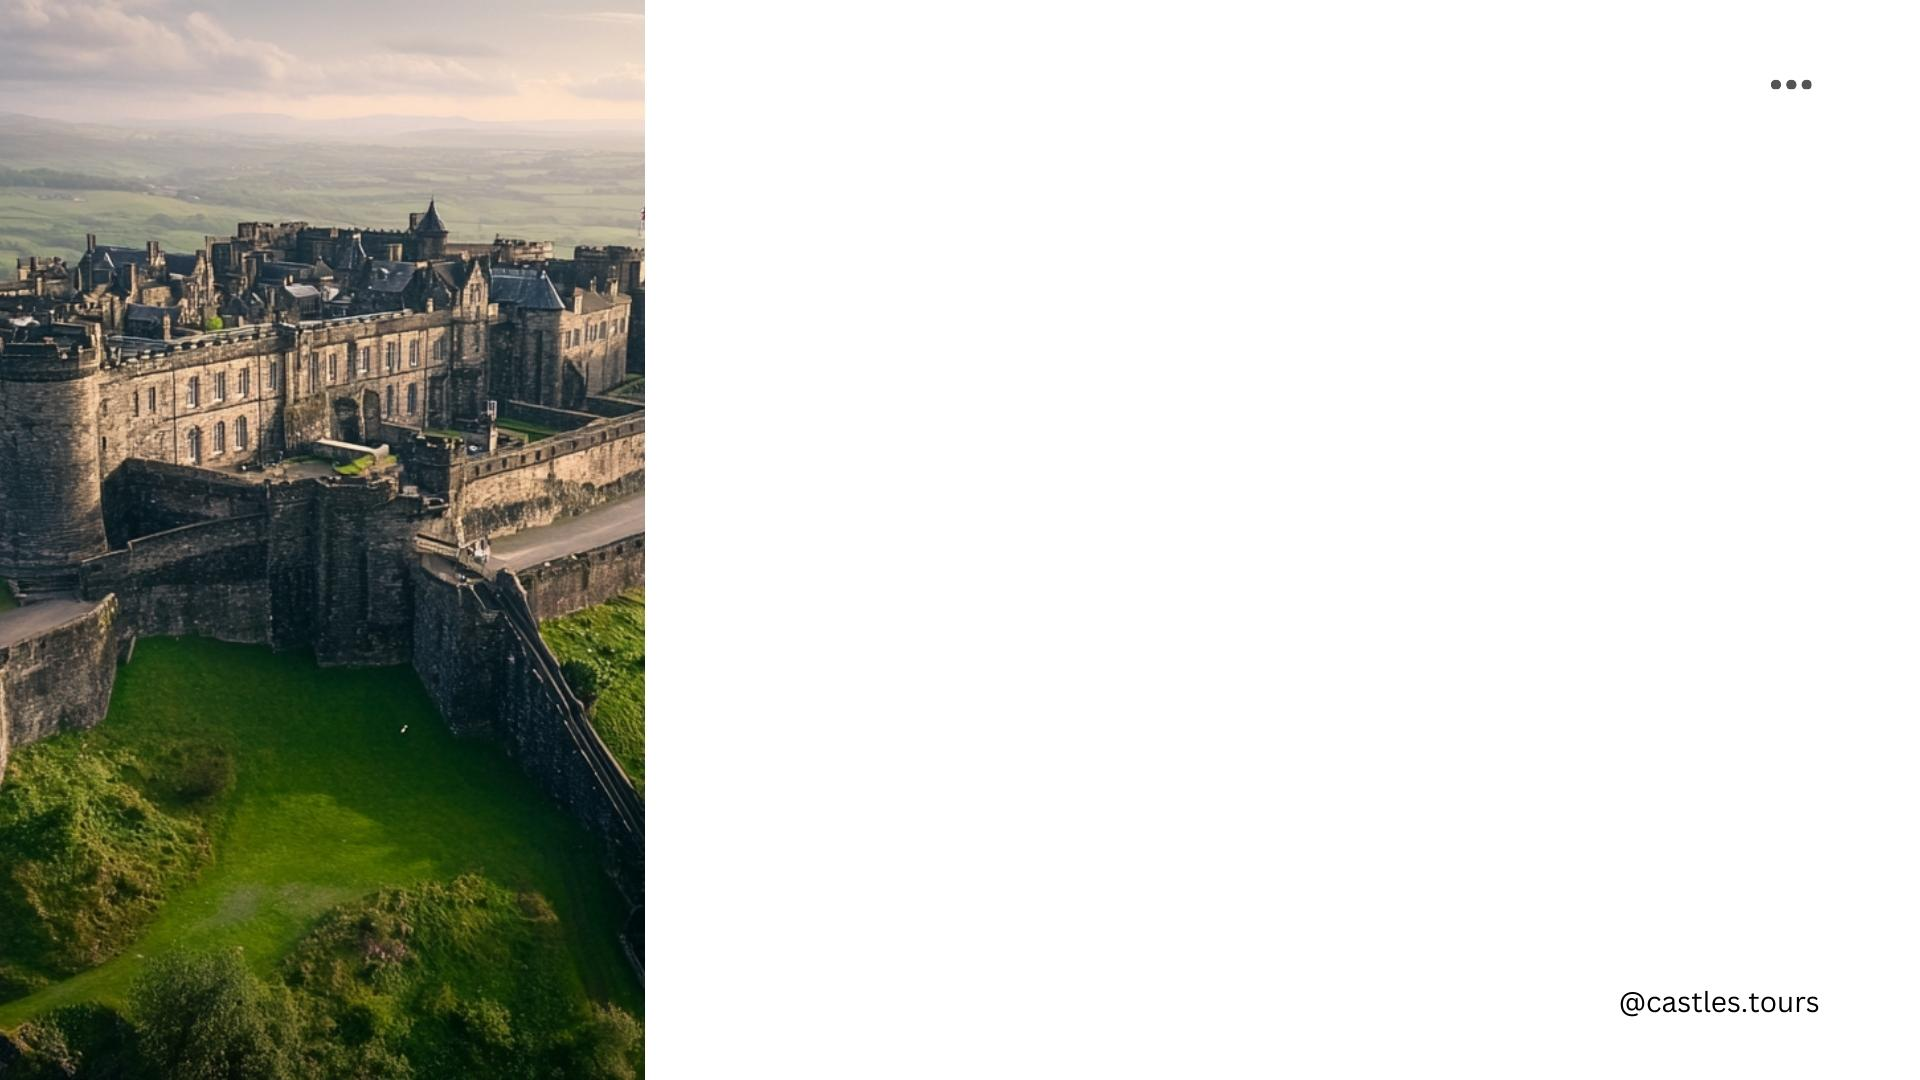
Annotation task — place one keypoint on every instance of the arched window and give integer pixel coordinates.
(240, 434)
(220, 437)
(193, 446)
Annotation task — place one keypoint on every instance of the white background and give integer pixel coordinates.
(1218, 540)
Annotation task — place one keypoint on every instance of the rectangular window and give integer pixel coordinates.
(313, 374)
(246, 381)
(273, 374)
(413, 398)
(390, 409)
(393, 356)
(413, 353)
(151, 394)
(220, 386)
(240, 433)
(193, 393)
(333, 367)
(136, 403)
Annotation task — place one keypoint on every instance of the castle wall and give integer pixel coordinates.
(579, 581)
(204, 580)
(50, 515)
(545, 416)
(456, 652)
(602, 405)
(147, 497)
(58, 680)
(527, 487)
(363, 592)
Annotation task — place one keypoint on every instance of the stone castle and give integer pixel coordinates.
(308, 437)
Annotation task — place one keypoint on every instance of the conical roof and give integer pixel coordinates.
(431, 225)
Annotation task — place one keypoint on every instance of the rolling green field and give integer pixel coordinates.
(187, 186)
(610, 641)
(342, 783)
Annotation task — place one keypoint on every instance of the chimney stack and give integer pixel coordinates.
(393, 252)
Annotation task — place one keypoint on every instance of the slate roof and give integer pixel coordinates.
(595, 301)
(182, 264)
(147, 313)
(431, 225)
(530, 290)
(389, 277)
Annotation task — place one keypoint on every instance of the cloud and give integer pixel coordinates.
(391, 72)
(457, 49)
(627, 18)
(627, 84)
(111, 41)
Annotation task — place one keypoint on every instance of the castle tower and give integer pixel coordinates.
(431, 234)
(50, 515)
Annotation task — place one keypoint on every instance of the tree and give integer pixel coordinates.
(203, 1016)
(215, 322)
(584, 678)
(606, 1047)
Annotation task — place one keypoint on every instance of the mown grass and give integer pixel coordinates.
(355, 467)
(533, 432)
(344, 782)
(610, 639)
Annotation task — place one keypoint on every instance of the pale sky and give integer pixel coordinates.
(106, 60)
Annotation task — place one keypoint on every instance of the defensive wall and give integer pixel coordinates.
(60, 679)
(581, 580)
(526, 486)
(478, 651)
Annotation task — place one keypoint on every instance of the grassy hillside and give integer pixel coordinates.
(343, 783)
(609, 642)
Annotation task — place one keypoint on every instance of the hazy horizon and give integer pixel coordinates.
(187, 61)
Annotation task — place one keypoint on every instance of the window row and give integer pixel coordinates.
(243, 382)
(195, 451)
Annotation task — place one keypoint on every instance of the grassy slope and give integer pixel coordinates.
(612, 637)
(332, 802)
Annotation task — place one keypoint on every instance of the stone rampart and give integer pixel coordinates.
(60, 679)
(578, 581)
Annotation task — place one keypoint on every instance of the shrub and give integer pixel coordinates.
(203, 1016)
(584, 677)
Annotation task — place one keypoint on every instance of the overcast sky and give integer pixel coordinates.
(105, 60)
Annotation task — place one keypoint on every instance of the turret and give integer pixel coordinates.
(430, 233)
(49, 456)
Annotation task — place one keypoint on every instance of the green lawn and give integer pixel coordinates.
(330, 802)
(611, 639)
(532, 432)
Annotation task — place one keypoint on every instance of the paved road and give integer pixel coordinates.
(616, 520)
(24, 622)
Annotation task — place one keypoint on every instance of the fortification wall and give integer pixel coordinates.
(546, 416)
(363, 594)
(602, 405)
(58, 680)
(564, 586)
(148, 497)
(481, 658)
(49, 462)
(532, 486)
(456, 652)
(205, 580)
